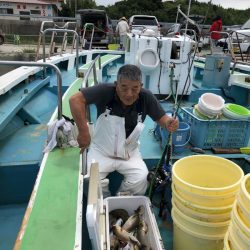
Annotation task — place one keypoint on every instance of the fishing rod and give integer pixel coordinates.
(162, 174)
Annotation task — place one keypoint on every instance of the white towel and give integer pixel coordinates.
(61, 133)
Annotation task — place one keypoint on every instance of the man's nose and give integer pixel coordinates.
(129, 92)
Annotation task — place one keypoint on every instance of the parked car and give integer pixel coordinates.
(138, 23)
(241, 36)
(2, 37)
(103, 29)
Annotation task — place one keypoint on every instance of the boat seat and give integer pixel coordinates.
(13, 101)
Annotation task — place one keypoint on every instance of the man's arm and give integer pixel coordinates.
(77, 104)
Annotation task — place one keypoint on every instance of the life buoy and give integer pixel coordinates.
(148, 60)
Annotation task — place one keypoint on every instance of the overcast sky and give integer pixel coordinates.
(237, 4)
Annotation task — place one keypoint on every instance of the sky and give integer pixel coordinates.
(236, 4)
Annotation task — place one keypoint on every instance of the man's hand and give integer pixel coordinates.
(83, 140)
(172, 124)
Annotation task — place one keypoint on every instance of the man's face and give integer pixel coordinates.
(128, 91)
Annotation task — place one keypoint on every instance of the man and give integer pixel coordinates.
(216, 26)
(121, 109)
(122, 29)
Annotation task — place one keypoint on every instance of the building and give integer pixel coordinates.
(21, 9)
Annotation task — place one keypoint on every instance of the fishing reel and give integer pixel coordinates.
(160, 178)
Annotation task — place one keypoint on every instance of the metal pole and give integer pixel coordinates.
(43, 64)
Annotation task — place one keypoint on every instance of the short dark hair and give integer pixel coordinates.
(129, 72)
(217, 18)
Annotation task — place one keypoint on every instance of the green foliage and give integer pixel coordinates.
(166, 11)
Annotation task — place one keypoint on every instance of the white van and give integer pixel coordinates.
(138, 23)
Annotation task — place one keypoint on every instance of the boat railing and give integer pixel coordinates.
(84, 41)
(52, 46)
(85, 83)
(238, 43)
(43, 64)
(226, 35)
(62, 31)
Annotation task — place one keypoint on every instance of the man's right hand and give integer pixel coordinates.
(83, 140)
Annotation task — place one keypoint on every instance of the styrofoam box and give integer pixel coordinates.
(97, 215)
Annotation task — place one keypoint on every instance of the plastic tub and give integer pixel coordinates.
(245, 192)
(179, 138)
(238, 109)
(243, 212)
(212, 102)
(232, 241)
(199, 208)
(239, 233)
(185, 237)
(243, 232)
(199, 215)
(207, 200)
(207, 175)
(226, 242)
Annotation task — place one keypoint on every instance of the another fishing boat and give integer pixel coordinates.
(55, 217)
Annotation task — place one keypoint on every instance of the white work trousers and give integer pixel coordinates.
(113, 151)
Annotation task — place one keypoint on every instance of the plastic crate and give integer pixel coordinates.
(221, 133)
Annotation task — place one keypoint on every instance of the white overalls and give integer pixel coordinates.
(113, 151)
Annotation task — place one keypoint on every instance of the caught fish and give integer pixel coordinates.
(125, 236)
(142, 235)
(114, 242)
(133, 221)
(119, 213)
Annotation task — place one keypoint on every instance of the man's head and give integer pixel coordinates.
(128, 85)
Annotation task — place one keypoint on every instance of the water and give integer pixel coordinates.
(14, 57)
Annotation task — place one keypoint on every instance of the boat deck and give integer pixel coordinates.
(53, 214)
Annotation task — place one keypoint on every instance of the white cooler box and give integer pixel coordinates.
(97, 215)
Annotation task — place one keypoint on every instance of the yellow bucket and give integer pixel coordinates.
(199, 208)
(199, 215)
(245, 192)
(239, 231)
(243, 211)
(226, 242)
(207, 200)
(186, 237)
(113, 46)
(207, 175)
(236, 238)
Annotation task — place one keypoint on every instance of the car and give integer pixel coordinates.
(102, 24)
(239, 38)
(138, 23)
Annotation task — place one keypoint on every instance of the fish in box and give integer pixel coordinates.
(100, 212)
